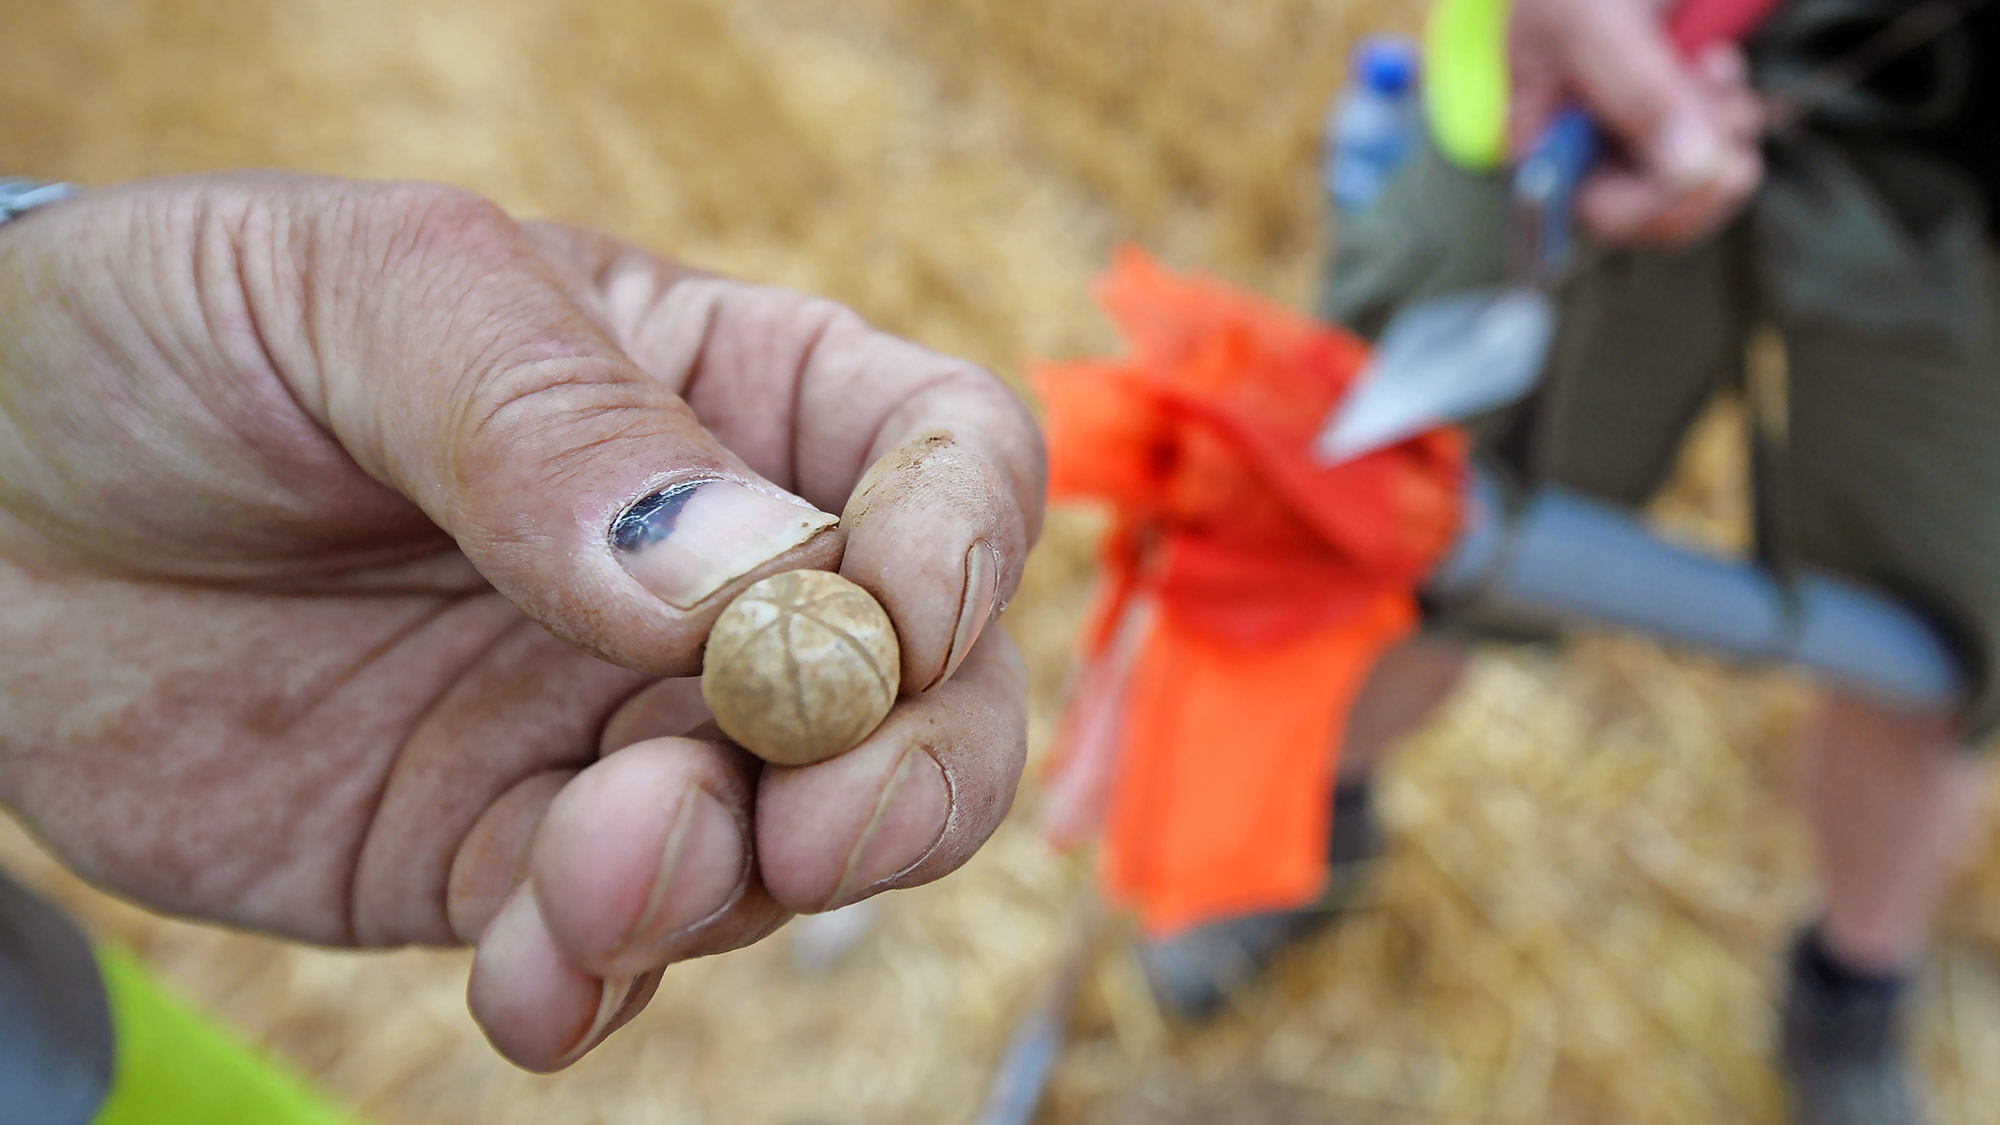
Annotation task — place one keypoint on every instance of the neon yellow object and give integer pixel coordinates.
(1465, 80)
(175, 1067)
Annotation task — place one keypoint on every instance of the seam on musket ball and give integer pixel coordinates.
(860, 649)
(752, 635)
(805, 714)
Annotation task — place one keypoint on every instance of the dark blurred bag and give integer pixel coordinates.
(1875, 214)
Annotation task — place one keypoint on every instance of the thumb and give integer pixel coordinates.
(459, 365)
(1616, 57)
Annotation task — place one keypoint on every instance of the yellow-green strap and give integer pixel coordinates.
(1465, 80)
(175, 1067)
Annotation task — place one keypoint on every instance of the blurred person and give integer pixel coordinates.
(358, 543)
(1862, 235)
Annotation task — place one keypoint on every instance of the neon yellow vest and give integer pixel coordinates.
(1465, 80)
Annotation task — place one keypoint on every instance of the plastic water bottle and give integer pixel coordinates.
(1372, 127)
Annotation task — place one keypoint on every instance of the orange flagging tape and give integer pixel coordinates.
(1246, 591)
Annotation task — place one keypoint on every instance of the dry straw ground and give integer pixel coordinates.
(1593, 868)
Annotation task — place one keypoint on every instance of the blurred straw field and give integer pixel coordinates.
(1593, 870)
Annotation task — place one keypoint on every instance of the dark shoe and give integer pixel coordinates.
(1841, 1051)
(1193, 974)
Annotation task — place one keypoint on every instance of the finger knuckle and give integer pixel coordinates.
(547, 420)
(433, 225)
(830, 315)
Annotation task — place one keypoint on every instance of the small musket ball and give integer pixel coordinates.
(801, 666)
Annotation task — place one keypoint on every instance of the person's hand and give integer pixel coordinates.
(350, 538)
(1685, 132)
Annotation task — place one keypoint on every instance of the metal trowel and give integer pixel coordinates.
(1455, 357)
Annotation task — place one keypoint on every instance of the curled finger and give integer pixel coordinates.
(912, 802)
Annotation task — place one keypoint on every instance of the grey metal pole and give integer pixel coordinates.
(1561, 559)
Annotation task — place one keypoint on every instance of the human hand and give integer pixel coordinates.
(333, 603)
(1687, 133)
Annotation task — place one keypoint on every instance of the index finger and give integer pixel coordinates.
(940, 522)
(936, 467)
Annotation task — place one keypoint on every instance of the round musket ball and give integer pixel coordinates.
(800, 667)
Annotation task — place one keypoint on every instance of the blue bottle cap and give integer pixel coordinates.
(1386, 64)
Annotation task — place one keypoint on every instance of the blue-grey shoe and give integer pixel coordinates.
(1841, 1049)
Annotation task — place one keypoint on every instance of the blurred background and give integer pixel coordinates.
(1593, 869)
